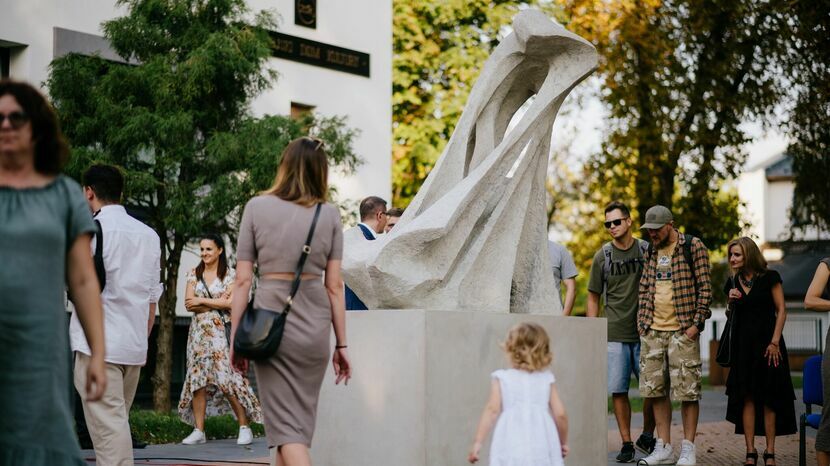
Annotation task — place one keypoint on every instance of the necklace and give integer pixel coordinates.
(745, 282)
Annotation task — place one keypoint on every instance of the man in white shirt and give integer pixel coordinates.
(132, 264)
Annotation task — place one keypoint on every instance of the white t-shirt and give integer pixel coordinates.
(132, 261)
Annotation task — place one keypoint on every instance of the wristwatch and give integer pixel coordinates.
(700, 326)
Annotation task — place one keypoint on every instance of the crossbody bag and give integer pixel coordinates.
(726, 343)
(260, 330)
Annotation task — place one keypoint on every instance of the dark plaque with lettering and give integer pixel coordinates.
(319, 54)
(305, 13)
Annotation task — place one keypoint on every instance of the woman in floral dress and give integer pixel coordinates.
(211, 386)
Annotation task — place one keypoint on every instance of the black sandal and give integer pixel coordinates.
(769, 456)
(751, 456)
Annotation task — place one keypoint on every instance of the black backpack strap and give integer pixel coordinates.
(303, 256)
(687, 254)
(98, 258)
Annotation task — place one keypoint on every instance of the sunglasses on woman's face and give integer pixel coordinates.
(16, 119)
(615, 223)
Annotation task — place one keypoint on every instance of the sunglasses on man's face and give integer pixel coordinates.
(615, 223)
(16, 119)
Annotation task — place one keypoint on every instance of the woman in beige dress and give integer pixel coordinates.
(272, 234)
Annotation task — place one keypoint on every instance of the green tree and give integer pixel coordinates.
(177, 120)
(679, 79)
(439, 47)
(808, 125)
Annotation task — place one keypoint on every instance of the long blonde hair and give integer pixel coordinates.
(528, 347)
(302, 177)
(753, 259)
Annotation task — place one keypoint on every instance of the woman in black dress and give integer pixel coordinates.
(760, 391)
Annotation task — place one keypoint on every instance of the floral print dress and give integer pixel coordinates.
(208, 360)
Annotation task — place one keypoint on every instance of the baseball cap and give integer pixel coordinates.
(656, 217)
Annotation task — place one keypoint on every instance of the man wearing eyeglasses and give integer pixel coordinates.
(615, 276)
(674, 297)
(372, 223)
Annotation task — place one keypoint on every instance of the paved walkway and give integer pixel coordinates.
(213, 453)
(716, 442)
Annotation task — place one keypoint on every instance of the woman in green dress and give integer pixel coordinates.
(45, 233)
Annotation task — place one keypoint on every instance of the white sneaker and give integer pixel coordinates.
(687, 454)
(195, 437)
(245, 436)
(662, 454)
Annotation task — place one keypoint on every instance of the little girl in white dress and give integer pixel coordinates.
(532, 427)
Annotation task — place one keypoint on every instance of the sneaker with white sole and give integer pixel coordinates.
(662, 454)
(245, 436)
(687, 454)
(195, 437)
(645, 443)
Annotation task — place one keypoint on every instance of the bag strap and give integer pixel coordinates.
(207, 290)
(98, 258)
(303, 256)
(687, 254)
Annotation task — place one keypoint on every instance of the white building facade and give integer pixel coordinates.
(334, 35)
(333, 57)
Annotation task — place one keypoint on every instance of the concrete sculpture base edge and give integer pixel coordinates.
(421, 379)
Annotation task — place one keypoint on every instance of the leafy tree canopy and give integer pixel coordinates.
(176, 118)
(808, 126)
(439, 47)
(680, 78)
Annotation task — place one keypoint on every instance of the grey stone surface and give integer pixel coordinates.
(475, 236)
(212, 451)
(67, 41)
(421, 379)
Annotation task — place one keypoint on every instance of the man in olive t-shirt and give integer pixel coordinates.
(615, 275)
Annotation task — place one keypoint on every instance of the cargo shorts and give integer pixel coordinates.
(684, 363)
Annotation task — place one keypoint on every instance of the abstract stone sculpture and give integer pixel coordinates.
(475, 236)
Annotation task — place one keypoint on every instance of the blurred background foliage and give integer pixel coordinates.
(678, 80)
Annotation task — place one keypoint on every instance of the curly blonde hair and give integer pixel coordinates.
(528, 347)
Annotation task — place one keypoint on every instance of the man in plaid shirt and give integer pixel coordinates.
(675, 293)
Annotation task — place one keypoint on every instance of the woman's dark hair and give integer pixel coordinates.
(302, 177)
(753, 258)
(222, 268)
(51, 150)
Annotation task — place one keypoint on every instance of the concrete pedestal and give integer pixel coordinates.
(421, 379)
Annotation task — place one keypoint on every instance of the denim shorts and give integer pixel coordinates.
(623, 361)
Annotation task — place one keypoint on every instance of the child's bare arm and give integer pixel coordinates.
(560, 417)
(488, 418)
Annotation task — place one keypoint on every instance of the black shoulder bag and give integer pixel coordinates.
(260, 330)
(725, 344)
(221, 317)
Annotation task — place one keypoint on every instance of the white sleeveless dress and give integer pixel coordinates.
(525, 433)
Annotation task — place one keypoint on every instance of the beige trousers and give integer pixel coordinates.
(108, 419)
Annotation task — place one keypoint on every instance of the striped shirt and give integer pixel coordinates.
(691, 306)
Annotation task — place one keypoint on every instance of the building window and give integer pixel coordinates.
(298, 110)
(5, 61)
(305, 13)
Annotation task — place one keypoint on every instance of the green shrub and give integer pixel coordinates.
(155, 428)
